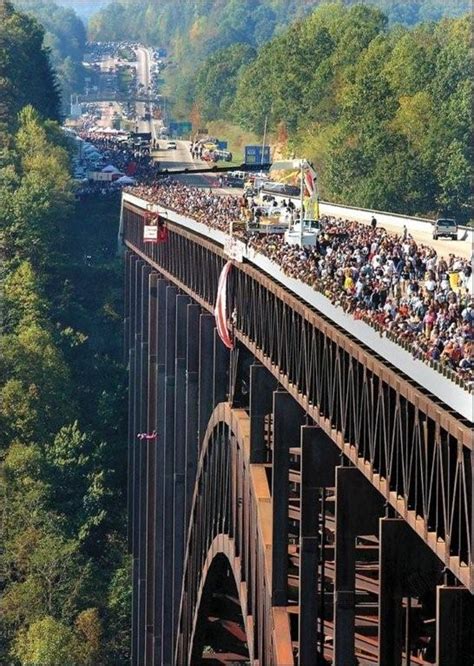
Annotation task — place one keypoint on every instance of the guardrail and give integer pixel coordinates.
(365, 215)
(465, 233)
(443, 385)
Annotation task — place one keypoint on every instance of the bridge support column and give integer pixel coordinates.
(319, 458)
(206, 349)
(310, 510)
(159, 463)
(406, 568)
(129, 258)
(220, 385)
(130, 337)
(150, 465)
(191, 393)
(392, 533)
(262, 385)
(358, 507)
(136, 415)
(454, 626)
(142, 446)
(168, 481)
(287, 419)
(182, 302)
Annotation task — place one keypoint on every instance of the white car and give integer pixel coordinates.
(445, 227)
(171, 145)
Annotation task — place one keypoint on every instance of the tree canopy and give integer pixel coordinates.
(193, 31)
(65, 38)
(382, 111)
(21, 53)
(62, 389)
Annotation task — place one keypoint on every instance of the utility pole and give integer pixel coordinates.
(301, 202)
(264, 139)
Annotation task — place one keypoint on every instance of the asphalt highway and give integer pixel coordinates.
(443, 246)
(144, 77)
(180, 158)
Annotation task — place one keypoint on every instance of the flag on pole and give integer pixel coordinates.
(310, 181)
(220, 311)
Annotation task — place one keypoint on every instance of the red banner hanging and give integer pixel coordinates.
(220, 311)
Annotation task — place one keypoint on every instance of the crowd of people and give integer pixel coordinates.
(129, 159)
(402, 288)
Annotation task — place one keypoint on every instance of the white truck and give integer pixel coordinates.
(445, 227)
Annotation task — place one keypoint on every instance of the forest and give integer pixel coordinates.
(65, 37)
(377, 95)
(193, 31)
(383, 112)
(64, 571)
(84, 8)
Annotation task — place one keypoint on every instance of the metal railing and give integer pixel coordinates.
(412, 448)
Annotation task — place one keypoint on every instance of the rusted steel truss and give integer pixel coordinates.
(288, 530)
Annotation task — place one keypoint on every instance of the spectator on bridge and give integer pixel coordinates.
(390, 281)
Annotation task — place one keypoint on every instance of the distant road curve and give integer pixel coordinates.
(144, 77)
(419, 227)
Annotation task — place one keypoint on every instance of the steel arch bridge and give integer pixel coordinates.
(302, 503)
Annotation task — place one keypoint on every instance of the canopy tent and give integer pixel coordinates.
(110, 169)
(109, 130)
(125, 180)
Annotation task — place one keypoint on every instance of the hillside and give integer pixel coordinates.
(383, 111)
(64, 583)
(192, 30)
(229, 21)
(65, 36)
(84, 8)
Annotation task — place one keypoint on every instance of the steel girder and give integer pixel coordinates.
(412, 453)
(416, 452)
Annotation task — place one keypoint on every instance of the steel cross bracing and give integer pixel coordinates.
(400, 451)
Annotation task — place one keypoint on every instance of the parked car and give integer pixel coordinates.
(236, 179)
(171, 145)
(225, 155)
(445, 227)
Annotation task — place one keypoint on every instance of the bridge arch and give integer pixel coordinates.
(342, 554)
(231, 518)
(218, 627)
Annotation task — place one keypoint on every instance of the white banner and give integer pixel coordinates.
(150, 233)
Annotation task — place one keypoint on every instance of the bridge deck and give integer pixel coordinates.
(331, 377)
(338, 489)
(412, 370)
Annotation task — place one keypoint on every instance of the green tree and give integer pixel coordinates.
(65, 40)
(34, 376)
(453, 172)
(22, 53)
(119, 607)
(50, 643)
(23, 303)
(34, 210)
(217, 80)
(89, 628)
(63, 505)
